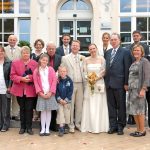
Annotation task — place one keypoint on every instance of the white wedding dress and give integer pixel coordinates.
(95, 111)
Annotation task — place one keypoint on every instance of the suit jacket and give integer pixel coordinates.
(60, 51)
(69, 63)
(51, 78)
(17, 70)
(16, 54)
(57, 61)
(117, 74)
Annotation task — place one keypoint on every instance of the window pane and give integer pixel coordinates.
(0, 6)
(125, 24)
(81, 5)
(66, 27)
(0, 37)
(125, 37)
(24, 26)
(141, 24)
(149, 24)
(24, 37)
(68, 5)
(8, 6)
(0, 25)
(148, 5)
(125, 5)
(6, 37)
(24, 6)
(141, 5)
(144, 37)
(84, 27)
(9, 25)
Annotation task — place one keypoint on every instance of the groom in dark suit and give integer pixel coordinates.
(65, 48)
(118, 61)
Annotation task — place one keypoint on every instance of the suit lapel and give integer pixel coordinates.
(62, 49)
(109, 56)
(70, 60)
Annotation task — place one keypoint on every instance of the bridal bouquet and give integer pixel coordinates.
(92, 77)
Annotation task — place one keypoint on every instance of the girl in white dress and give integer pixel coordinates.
(95, 110)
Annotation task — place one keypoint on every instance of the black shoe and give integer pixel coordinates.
(41, 134)
(22, 131)
(47, 134)
(30, 132)
(134, 133)
(139, 134)
(61, 131)
(112, 130)
(120, 132)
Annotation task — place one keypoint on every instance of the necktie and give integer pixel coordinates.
(76, 59)
(12, 50)
(112, 56)
(66, 51)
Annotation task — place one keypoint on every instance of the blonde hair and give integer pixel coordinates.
(141, 48)
(25, 48)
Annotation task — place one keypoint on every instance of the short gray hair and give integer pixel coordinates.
(25, 48)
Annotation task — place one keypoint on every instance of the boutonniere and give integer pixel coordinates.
(81, 59)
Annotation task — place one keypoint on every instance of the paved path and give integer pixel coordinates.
(11, 140)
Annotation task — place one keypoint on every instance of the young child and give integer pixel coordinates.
(63, 96)
(45, 85)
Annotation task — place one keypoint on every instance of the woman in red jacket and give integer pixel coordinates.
(23, 88)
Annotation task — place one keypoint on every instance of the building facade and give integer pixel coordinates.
(85, 20)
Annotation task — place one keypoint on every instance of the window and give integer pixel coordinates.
(125, 30)
(24, 6)
(75, 4)
(125, 5)
(7, 6)
(139, 20)
(6, 28)
(67, 5)
(81, 5)
(14, 19)
(24, 29)
(142, 5)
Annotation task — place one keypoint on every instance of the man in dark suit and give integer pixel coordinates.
(137, 36)
(54, 61)
(118, 61)
(65, 48)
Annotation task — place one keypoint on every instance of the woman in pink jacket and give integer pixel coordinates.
(23, 88)
(45, 85)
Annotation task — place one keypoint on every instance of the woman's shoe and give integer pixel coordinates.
(41, 134)
(134, 133)
(139, 134)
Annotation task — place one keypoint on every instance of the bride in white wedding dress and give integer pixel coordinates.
(95, 111)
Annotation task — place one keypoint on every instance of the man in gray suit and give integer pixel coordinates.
(118, 61)
(74, 65)
(13, 52)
